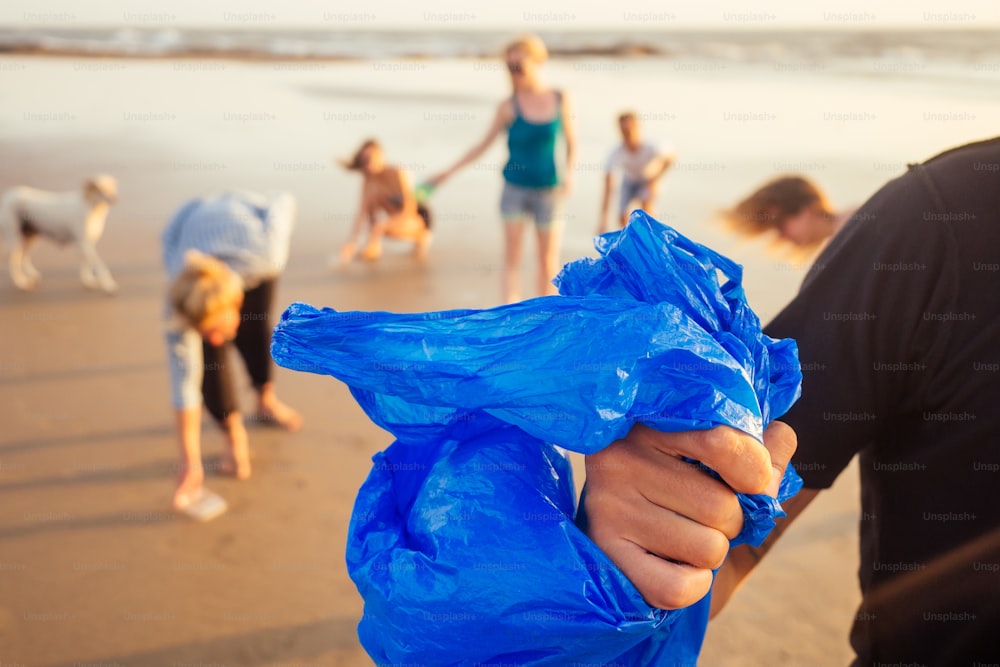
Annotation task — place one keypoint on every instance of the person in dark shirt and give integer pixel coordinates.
(898, 327)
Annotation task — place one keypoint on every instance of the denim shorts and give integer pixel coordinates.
(631, 190)
(541, 205)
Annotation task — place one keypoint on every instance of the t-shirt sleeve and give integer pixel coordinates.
(866, 343)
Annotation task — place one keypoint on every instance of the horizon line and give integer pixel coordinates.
(358, 26)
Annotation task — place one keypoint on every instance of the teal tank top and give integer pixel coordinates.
(532, 146)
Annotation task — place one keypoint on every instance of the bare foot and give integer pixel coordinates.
(189, 481)
(231, 466)
(421, 246)
(345, 255)
(371, 252)
(276, 413)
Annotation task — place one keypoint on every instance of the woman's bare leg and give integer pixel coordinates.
(513, 233)
(548, 258)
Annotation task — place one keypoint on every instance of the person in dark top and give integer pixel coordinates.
(535, 186)
(898, 327)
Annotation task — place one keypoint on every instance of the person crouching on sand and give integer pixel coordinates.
(223, 254)
(388, 206)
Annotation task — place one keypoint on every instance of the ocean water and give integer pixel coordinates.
(848, 110)
(959, 46)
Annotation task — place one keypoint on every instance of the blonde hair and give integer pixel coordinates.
(204, 288)
(531, 45)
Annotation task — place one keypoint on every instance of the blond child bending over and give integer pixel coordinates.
(223, 255)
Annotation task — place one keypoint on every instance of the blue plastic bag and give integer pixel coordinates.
(462, 540)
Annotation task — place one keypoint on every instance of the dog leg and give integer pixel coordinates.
(87, 276)
(26, 264)
(93, 273)
(16, 266)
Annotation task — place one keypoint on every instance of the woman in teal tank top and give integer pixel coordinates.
(532, 146)
(535, 184)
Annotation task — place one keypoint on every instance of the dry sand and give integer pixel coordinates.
(94, 568)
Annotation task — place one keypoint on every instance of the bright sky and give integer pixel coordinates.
(477, 14)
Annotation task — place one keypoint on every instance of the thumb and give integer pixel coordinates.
(781, 443)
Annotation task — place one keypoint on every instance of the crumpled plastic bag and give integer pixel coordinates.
(462, 541)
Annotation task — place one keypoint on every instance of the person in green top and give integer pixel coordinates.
(535, 187)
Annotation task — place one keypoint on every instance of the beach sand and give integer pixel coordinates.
(94, 567)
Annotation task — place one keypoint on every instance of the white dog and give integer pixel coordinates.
(75, 217)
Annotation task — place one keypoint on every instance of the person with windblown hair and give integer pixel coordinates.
(791, 207)
(389, 207)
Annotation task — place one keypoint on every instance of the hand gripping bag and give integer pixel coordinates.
(462, 541)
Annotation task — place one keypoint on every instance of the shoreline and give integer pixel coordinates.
(738, 39)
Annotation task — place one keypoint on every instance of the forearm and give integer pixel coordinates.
(467, 159)
(744, 558)
(569, 134)
(665, 165)
(359, 223)
(570, 157)
(732, 574)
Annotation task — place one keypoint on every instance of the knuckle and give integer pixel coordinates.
(681, 591)
(719, 440)
(782, 441)
(756, 483)
(710, 552)
(754, 463)
(725, 514)
(735, 525)
(670, 599)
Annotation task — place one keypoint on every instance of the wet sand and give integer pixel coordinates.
(94, 567)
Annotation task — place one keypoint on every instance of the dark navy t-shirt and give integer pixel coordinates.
(898, 326)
